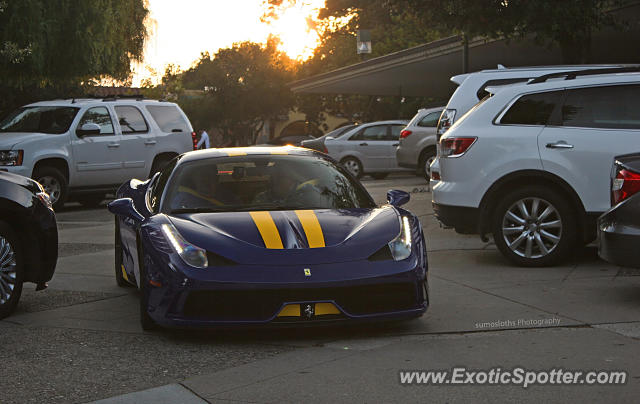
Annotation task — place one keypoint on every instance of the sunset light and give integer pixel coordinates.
(179, 33)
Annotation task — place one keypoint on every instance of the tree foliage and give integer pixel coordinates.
(568, 24)
(244, 86)
(53, 46)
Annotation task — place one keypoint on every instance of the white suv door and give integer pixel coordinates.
(138, 141)
(98, 158)
(594, 125)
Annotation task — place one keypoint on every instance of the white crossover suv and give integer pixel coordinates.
(531, 164)
(471, 88)
(84, 148)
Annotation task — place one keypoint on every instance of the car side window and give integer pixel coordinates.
(168, 118)
(101, 117)
(395, 131)
(532, 109)
(430, 120)
(161, 182)
(377, 132)
(131, 120)
(613, 107)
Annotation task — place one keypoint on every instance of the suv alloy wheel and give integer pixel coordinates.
(534, 226)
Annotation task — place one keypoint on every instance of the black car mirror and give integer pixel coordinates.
(88, 129)
(397, 198)
(124, 207)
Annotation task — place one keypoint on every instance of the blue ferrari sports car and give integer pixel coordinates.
(248, 236)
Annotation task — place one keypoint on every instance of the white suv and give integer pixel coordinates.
(472, 88)
(532, 163)
(84, 148)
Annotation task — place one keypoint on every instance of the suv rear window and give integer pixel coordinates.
(614, 107)
(168, 118)
(532, 109)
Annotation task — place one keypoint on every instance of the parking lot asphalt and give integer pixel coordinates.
(80, 339)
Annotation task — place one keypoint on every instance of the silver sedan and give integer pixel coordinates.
(369, 148)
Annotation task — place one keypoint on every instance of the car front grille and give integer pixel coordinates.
(262, 304)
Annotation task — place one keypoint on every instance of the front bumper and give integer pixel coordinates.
(463, 219)
(188, 298)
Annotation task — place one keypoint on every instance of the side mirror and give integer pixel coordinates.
(397, 198)
(124, 207)
(88, 129)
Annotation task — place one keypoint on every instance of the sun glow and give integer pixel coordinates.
(178, 33)
(296, 24)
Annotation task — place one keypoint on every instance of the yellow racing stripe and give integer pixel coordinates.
(326, 308)
(124, 273)
(268, 230)
(312, 228)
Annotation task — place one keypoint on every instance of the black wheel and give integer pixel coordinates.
(54, 183)
(534, 226)
(146, 322)
(379, 176)
(353, 165)
(424, 162)
(119, 269)
(11, 270)
(90, 201)
(158, 165)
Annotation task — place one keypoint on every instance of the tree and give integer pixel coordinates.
(568, 24)
(244, 86)
(52, 47)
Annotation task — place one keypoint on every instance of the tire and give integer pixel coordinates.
(54, 183)
(90, 201)
(534, 240)
(11, 270)
(146, 322)
(379, 176)
(120, 281)
(424, 162)
(159, 164)
(353, 165)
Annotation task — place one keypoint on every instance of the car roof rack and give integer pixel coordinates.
(589, 72)
(137, 97)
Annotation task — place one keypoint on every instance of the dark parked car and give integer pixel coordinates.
(619, 227)
(28, 238)
(318, 143)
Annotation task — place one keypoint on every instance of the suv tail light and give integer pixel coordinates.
(455, 146)
(194, 140)
(445, 121)
(625, 183)
(405, 133)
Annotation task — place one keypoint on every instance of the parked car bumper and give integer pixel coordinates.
(619, 234)
(463, 219)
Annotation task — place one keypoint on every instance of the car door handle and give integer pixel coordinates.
(113, 145)
(150, 142)
(364, 144)
(559, 145)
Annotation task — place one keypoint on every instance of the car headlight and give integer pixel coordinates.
(191, 254)
(11, 157)
(401, 245)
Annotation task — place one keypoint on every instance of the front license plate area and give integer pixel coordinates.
(307, 311)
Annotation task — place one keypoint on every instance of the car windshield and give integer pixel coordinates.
(262, 182)
(51, 120)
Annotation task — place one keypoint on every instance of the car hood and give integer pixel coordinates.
(9, 139)
(307, 237)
